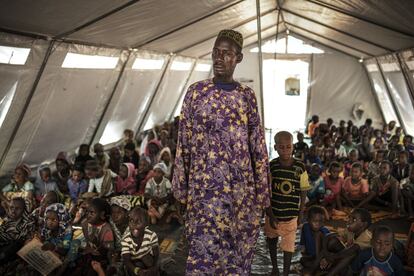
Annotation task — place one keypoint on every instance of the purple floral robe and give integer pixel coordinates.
(221, 175)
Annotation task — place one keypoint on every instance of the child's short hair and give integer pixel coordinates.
(364, 214)
(334, 164)
(130, 146)
(382, 229)
(356, 165)
(282, 134)
(102, 206)
(79, 168)
(92, 165)
(314, 210)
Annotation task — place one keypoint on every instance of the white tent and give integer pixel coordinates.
(56, 92)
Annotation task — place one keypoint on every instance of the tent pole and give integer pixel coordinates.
(338, 30)
(188, 24)
(394, 105)
(260, 57)
(157, 88)
(310, 81)
(375, 94)
(27, 102)
(108, 102)
(353, 15)
(247, 21)
(183, 90)
(405, 72)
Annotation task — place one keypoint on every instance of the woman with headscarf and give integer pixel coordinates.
(166, 158)
(20, 186)
(126, 182)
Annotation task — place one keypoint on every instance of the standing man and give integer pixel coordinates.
(221, 172)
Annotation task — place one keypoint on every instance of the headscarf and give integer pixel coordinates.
(162, 167)
(166, 149)
(155, 142)
(64, 220)
(121, 201)
(129, 181)
(24, 167)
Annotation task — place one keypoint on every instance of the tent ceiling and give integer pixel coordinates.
(360, 28)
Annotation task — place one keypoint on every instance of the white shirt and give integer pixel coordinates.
(96, 184)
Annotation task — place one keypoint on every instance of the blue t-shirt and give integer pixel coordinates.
(307, 239)
(366, 264)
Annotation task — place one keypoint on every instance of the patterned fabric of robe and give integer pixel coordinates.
(221, 175)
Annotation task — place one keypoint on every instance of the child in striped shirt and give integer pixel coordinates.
(140, 249)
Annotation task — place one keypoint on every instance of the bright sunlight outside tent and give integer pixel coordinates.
(82, 61)
(13, 55)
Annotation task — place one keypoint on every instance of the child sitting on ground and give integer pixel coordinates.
(312, 235)
(158, 191)
(125, 182)
(355, 188)
(300, 149)
(140, 249)
(100, 180)
(333, 187)
(16, 228)
(56, 233)
(312, 157)
(373, 167)
(407, 191)
(384, 189)
(352, 158)
(120, 206)
(44, 182)
(144, 174)
(38, 214)
(76, 184)
(380, 259)
(317, 191)
(83, 155)
(19, 187)
(340, 250)
(99, 236)
(401, 168)
(131, 155)
(101, 156)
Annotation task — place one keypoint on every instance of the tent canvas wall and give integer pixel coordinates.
(54, 108)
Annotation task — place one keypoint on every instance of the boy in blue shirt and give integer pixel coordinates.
(379, 260)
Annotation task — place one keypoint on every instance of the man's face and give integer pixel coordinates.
(382, 245)
(225, 58)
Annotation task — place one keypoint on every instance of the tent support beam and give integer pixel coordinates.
(337, 30)
(375, 94)
(20, 33)
(183, 90)
(93, 21)
(330, 39)
(245, 38)
(308, 98)
(394, 105)
(405, 71)
(247, 21)
(359, 17)
(260, 58)
(108, 102)
(27, 103)
(176, 29)
(156, 90)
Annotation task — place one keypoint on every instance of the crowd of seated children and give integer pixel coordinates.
(363, 168)
(87, 210)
